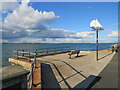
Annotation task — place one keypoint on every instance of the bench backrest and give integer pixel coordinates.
(74, 52)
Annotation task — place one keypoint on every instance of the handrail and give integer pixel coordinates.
(43, 50)
(30, 77)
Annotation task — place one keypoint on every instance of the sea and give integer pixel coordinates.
(8, 49)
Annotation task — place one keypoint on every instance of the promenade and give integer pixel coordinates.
(71, 73)
(84, 71)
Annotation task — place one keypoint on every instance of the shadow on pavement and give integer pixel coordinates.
(104, 56)
(79, 56)
(88, 82)
(49, 80)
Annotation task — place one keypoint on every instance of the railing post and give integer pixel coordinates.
(29, 55)
(55, 50)
(35, 58)
(36, 52)
(46, 50)
(23, 52)
(17, 54)
(108, 48)
(32, 73)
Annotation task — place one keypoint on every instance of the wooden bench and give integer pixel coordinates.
(74, 52)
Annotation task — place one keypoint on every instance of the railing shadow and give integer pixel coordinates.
(49, 80)
(69, 66)
(104, 56)
(87, 83)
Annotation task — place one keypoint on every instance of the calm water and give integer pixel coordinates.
(8, 49)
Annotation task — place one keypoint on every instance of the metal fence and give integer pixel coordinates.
(27, 54)
(30, 77)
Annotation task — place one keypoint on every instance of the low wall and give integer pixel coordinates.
(14, 77)
(21, 62)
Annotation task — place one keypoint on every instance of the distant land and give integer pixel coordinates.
(47, 43)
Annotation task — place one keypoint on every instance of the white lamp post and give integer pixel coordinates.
(95, 25)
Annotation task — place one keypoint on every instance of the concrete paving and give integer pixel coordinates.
(109, 74)
(71, 72)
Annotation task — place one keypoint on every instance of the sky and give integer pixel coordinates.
(58, 22)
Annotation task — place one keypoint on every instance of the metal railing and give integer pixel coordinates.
(30, 77)
(28, 54)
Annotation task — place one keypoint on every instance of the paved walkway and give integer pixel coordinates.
(71, 72)
(109, 76)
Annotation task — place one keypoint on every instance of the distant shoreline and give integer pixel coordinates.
(56, 43)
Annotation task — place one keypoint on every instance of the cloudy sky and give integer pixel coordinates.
(57, 22)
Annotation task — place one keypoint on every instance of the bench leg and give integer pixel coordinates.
(77, 54)
(70, 56)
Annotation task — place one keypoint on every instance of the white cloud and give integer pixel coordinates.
(4, 12)
(31, 31)
(52, 33)
(60, 33)
(8, 0)
(3, 41)
(83, 34)
(0, 19)
(25, 18)
(113, 34)
(67, 40)
(25, 21)
(25, 2)
(70, 40)
(8, 5)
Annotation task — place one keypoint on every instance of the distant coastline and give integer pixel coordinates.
(55, 43)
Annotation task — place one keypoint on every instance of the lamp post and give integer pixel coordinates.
(95, 25)
(97, 45)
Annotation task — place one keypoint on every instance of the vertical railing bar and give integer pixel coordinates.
(46, 50)
(55, 50)
(36, 51)
(62, 49)
(17, 54)
(23, 52)
(29, 55)
(32, 72)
